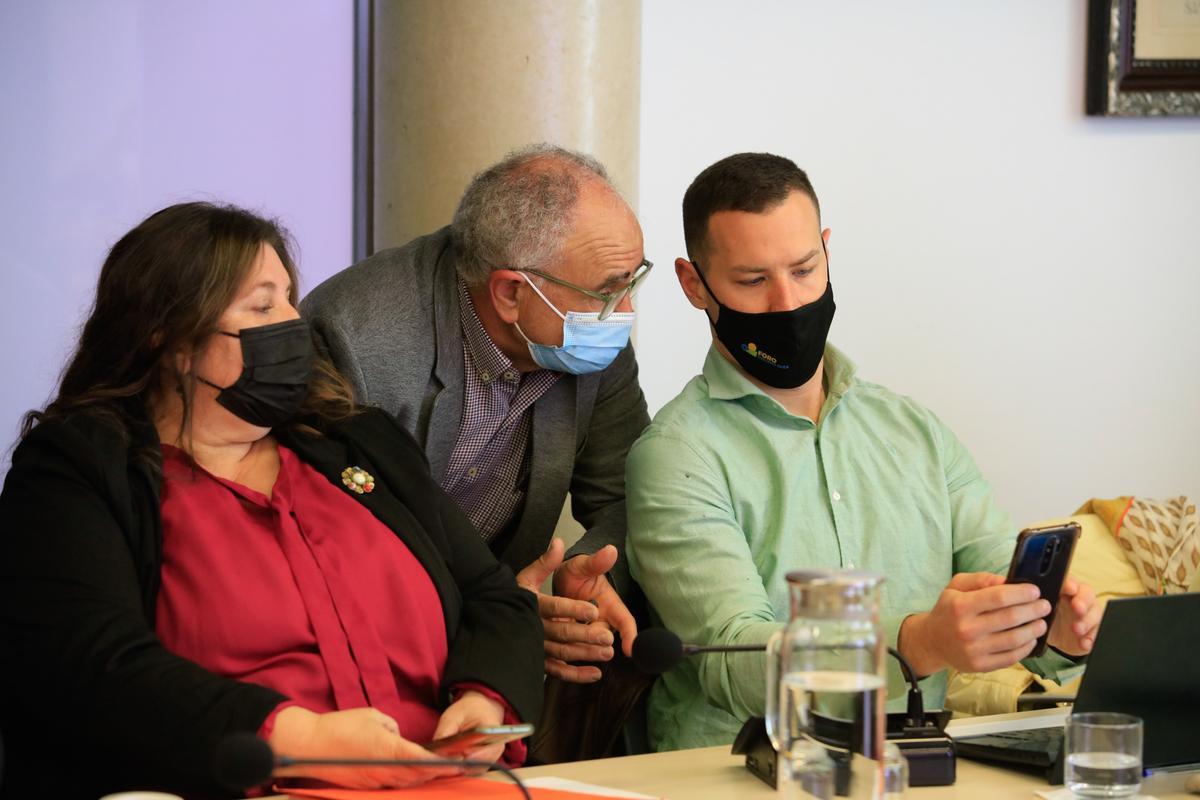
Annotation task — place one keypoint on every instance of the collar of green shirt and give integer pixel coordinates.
(727, 382)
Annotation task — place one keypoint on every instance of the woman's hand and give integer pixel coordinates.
(472, 710)
(354, 733)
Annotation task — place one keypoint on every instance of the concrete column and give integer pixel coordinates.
(458, 83)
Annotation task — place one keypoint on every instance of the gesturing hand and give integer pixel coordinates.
(580, 620)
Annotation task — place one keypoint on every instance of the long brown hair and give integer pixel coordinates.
(163, 288)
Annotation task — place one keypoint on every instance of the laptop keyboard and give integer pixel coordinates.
(1037, 747)
(1045, 740)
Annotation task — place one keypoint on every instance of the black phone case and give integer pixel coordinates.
(1043, 557)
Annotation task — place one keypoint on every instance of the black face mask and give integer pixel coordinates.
(277, 365)
(779, 348)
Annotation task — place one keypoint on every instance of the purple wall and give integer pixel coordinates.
(109, 111)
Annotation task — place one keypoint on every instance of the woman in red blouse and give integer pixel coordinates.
(202, 535)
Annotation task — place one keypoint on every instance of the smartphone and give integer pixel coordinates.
(1043, 557)
(466, 741)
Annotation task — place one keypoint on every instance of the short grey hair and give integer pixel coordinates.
(517, 214)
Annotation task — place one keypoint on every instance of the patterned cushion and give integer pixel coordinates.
(1099, 560)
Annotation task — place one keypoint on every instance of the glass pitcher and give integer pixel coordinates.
(826, 683)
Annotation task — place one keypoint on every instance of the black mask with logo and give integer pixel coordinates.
(779, 348)
(277, 366)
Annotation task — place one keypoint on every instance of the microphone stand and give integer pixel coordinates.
(693, 649)
(930, 754)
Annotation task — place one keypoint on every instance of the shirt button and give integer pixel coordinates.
(836, 496)
(510, 376)
(472, 471)
(487, 376)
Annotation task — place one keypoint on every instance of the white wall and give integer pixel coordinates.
(111, 110)
(1031, 274)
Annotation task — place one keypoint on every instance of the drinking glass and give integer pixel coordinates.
(1104, 755)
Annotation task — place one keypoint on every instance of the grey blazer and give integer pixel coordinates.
(391, 325)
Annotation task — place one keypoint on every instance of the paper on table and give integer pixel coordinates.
(589, 789)
(454, 789)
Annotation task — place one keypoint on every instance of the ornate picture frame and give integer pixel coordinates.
(1143, 58)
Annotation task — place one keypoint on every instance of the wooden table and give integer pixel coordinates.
(711, 773)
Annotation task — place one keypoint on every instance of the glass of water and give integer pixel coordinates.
(1104, 755)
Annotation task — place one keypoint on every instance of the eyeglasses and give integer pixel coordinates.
(610, 299)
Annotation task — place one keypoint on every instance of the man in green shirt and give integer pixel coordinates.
(777, 457)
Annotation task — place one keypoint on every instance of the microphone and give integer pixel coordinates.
(657, 650)
(243, 761)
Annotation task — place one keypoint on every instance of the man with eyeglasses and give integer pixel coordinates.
(778, 457)
(501, 342)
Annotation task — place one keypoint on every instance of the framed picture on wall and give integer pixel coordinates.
(1143, 58)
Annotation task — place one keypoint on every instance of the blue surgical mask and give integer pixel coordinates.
(590, 344)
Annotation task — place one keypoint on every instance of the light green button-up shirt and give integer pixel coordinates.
(727, 492)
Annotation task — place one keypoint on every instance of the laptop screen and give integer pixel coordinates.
(1147, 663)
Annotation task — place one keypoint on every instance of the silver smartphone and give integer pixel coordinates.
(466, 741)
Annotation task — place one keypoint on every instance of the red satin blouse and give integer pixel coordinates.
(305, 592)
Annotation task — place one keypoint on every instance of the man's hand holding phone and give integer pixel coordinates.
(983, 622)
(979, 623)
(1042, 558)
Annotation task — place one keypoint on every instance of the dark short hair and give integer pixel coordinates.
(751, 182)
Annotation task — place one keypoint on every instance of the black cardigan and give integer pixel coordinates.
(91, 702)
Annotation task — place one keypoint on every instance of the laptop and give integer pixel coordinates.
(1146, 662)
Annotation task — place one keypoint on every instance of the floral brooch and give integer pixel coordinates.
(358, 480)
